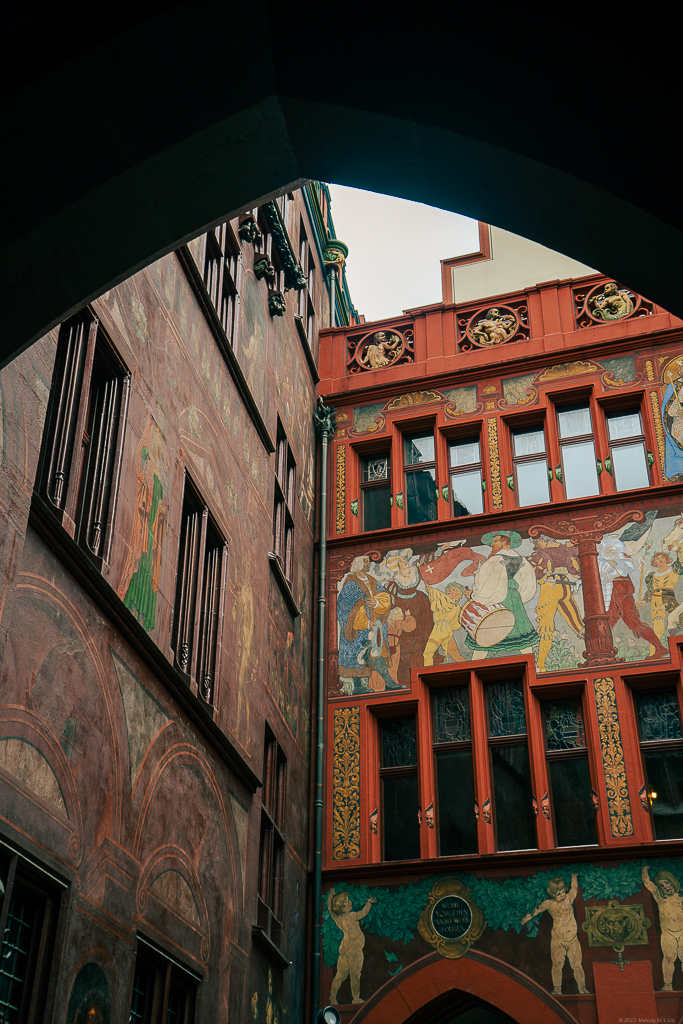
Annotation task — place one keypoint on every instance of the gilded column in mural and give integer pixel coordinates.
(346, 784)
(659, 426)
(614, 768)
(494, 461)
(340, 514)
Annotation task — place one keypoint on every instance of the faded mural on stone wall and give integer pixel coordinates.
(504, 593)
(549, 925)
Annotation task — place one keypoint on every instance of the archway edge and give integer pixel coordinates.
(479, 974)
(135, 139)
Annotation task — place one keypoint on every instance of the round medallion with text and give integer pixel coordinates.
(451, 917)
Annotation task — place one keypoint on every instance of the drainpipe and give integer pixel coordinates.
(324, 418)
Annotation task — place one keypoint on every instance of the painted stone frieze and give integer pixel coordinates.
(480, 596)
(551, 925)
(340, 495)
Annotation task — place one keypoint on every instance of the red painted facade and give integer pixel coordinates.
(402, 628)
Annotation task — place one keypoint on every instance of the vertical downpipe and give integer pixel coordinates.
(324, 418)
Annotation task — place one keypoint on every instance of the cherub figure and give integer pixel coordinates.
(666, 893)
(564, 941)
(381, 351)
(350, 960)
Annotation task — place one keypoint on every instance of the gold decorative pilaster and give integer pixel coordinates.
(649, 369)
(659, 426)
(340, 506)
(618, 803)
(346, 785)
(494, 462)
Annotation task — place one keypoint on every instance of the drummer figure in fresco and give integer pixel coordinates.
(508, 579)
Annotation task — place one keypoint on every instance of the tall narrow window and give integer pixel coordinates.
(510, 769)
(272, 846)
(453, 761)
(531, 466)
(627, 450)
(466, 480)
(661, 747)
(222, 276)
(164, 992)
(376, 491)
(283, 510)
(400, 795)
(83, 438)
(200, 586)
(305, 316)
(28, 917)
(569, 773)
(420, 478)
(579, 470)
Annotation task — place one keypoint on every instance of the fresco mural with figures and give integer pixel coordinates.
(482, 596)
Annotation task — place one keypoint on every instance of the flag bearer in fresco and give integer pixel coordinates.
(666, 893)
(564, 939)
(556, 566)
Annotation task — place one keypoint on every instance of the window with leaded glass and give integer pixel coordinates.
(466, 480)
(164, 992)
(420, 477)
(223, 276)
(661, 746)
(457, 825)
(376, 491)
(400, 793)
(272, 845)
(569, 773)
(28, 918)
(512, 795)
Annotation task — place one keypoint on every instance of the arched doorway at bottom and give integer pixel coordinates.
(420, 994)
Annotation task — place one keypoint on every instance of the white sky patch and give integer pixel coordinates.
(395, 249)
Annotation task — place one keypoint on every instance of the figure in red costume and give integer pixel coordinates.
(618, 592)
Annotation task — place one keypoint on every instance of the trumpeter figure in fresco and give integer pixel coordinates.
(351, 956)
(616, 565)
(564, 939)
(362, 611)
(495, 618)
(666, 892)
(556, 565)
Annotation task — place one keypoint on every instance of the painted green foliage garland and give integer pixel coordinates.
(395, 914)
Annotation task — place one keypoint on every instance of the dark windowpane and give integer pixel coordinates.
(658, 716)
(377, 508)
(401, 825)
(176, 1005)
(506, 709)
(455, 784)
(564, 725)
(399, 746)
(15, 957)
(515, 825)
(572, 801)
(375, 468)
(665, 779)
(418, 448)
(468, 499)
(420, 496)
(143, 990)
(451, 715)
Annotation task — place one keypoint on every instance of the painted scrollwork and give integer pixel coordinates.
(346, 785)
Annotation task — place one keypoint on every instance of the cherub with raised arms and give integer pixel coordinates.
(564, 940)
(666, 893)
(350, 959)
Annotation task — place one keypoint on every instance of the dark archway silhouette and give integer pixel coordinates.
(125, 138)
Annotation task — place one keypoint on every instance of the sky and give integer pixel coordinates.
(395, 248)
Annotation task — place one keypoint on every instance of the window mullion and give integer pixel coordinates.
(58, 464)
(196, 609)
(81, 413)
